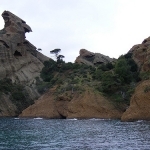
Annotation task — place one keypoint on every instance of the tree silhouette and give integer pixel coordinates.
(39, 49)
(56, 51)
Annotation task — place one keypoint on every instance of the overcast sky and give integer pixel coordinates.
(110, 27)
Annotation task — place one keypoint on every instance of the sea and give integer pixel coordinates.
(73, 134)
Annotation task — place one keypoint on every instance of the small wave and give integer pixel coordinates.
(139, 120)
(73, 119)
(16, 118)
(98, 119)
(38, 118)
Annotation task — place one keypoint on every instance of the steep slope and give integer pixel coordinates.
(19, 59)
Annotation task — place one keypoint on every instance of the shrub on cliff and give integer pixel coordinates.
(48, 69)
(114, 80)
(127, 69)
(109, 82)
(5, 85)
(119, 83)
(122, 69)
(16, 92)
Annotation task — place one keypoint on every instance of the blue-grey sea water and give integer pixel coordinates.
(57, 134)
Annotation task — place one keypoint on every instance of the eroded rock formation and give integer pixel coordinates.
(19, 59)
(85, 105)
(89, 58)
(18, 56)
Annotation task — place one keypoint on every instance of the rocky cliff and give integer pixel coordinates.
(141, 55)
(89, 58)
(139, 108)
(139, 104)
(19, 59)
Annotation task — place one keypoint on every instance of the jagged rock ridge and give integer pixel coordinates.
(19, 59)
(89, 58)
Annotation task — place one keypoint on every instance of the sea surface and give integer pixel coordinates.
(73, 134)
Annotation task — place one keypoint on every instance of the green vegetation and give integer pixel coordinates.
(69, 77)
(41, 86)
(147, 89)
(145, 75)
(59, 58)
(116, 81)
(120, 81)
(16, 92)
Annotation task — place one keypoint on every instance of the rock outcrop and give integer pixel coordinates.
(85, 105)
(89, 58)
(139, 108)
(141, 55)
(19, 59)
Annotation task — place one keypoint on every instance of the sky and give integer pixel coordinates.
(109, 27)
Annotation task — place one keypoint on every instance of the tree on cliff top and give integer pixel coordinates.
(56, 52)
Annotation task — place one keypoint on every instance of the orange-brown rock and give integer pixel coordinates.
(89, 104)
(141, 55)
(89, 58)
(43, 107)
(139, 108)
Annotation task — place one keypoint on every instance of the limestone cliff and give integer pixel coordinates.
(19, 59)
(89, 58)
(88, 104)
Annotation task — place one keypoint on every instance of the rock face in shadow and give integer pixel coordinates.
(89, 58)
(139, 108)
(19, 59)
(85, 105)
